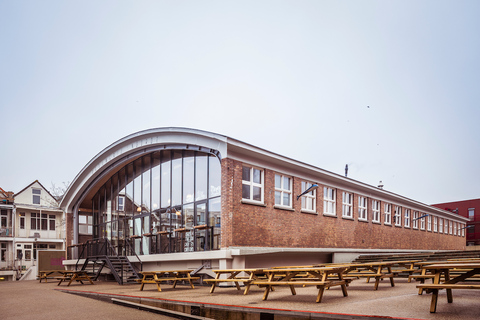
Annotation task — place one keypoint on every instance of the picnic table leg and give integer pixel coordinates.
(190, 281)
(344, 286)
(321, 289)
(449, 291)
(212, 288)
(267, 290)
(433, 304)
(71, 279)
(292, 289)
(392, 283)
(377, 282)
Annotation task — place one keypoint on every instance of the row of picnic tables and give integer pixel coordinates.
(446, 275)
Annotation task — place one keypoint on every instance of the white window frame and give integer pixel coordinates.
(362, 208)
(440, 225)
(471, 214)
(422, 221)
(36, 193)
(435, 224)
(406, 216)
(415, 220)
(388, 214)
(120, 206)
(429, 223)
(309, 200)
(283, 190)
(347, 205)
(450, 227)
(445, 227)
(376, 211)
(463, 230)
(398, 216)
(329, 201)
(454, 228)
(251, 184)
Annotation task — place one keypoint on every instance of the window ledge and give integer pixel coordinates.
(255, 203)
(348, 218)
(309, 211)
(376, 222)
(387, 224)
(362, 220)
(283, 207)
(398, 226)
(330, 215)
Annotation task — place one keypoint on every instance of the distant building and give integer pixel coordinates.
(179, 198)
(469, 209)
(7, 257)
(31, 220)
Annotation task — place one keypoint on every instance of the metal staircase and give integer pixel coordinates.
(100, 253)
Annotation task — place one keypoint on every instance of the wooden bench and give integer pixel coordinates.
(321, 286)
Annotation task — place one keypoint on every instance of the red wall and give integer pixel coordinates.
(463, 207)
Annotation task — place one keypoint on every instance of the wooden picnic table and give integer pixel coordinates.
(73, 275)
(464, 270)
(321, 277)
(371, 270)
(235, 276)
(49, 274)
(156, 277)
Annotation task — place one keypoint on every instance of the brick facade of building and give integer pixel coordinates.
(250, 225)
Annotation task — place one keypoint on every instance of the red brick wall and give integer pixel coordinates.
(265, 226)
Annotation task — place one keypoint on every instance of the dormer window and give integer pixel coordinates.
(36, 196)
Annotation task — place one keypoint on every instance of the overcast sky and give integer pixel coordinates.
(389, 87)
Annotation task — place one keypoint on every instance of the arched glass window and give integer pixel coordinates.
(165, 201)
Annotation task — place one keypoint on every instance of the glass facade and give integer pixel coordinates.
(166, 201)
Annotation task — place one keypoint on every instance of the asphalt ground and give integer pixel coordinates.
(34, 300)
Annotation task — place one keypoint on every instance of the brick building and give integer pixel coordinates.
(183, 197)
(469, 209)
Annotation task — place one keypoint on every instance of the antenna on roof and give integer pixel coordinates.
(346, 169)
(380, 184)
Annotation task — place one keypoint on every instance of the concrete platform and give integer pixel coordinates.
(34, 300)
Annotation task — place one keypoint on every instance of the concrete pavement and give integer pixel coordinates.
(21, 300)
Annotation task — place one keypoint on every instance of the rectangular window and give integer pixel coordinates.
(36, 193)
(440, 225)
(329, 201)
(309, 199)
(375, 211)
(450, 227)
(446, 227)
(121, 203)
(407, 218)
(3, 254)
(22, 220)
(397, 219)
(454, 228)
(362, 208)
(471, 214)
(388, 213)
(415, 220)
(3, 218)
(283, 191)
(85, 224)
(51, 220)
(252, 184)
(422, 222)
(44, 221)
(435, 224)
(347, 205)
(429, 223)
(33, 221)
